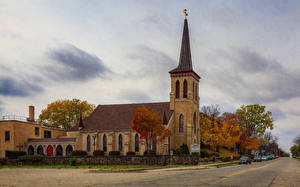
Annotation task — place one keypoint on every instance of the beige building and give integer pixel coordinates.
(15, 131)
(108, 128)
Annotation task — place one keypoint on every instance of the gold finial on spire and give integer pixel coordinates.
(185, 13)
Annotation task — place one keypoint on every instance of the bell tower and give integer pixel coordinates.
(184, 96)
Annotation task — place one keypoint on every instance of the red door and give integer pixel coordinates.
(49, 150)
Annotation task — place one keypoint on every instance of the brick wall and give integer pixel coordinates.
(110, 160)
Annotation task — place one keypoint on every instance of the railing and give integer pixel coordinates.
(14, 117)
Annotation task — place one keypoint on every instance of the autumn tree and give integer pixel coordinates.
(230, 131)
(149, 125)
(217, 132)
(209, 130)
(255, 119)
(65, 113)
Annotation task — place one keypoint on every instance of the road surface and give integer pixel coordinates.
(280, 172)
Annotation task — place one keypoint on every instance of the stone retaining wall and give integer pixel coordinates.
(108, 160)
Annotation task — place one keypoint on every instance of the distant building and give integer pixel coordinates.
(15, 131)
(108, 128)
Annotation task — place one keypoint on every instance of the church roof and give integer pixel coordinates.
(185, 59)
(119, 116)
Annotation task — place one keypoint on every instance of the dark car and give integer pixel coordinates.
(245, 160)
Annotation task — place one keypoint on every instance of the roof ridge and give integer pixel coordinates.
(133, 103)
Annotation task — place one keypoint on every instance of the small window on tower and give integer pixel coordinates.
(185, 88)
(177, 89)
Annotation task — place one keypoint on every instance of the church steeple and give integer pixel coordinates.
(185, 59)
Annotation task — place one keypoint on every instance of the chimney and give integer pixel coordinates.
(31, 114)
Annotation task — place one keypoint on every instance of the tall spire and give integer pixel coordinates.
(185, 59)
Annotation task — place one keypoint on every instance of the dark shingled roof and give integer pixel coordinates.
(185, 59)
(119, 116)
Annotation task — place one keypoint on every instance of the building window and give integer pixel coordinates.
(185, 88)
(36, 131)
(196, 92)
(47, 134)
(7, 136)
(177, 91)
(104, 143)
(193, 90)
(120, 143)
(69, 150)
(40, 150)
(154, 145)
(137, 148)
(30, 150)
(88, 143)
(195, 123)
(181, 125)
(59, 150)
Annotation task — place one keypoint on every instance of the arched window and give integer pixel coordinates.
(104, 143)
(88, 143)
(154, 145)
(120, 143)
(185, 88)
(40, 150)
(181, 125)
(59, 150)
(69, 150)
(30, 150)
(193, 90)
(196, 87)
(137, 148)
(195, 123)
(177, 91)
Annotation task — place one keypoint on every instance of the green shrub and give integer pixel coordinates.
(114, 153)
(31, 157)
(204, 153)
(130, 153)
(98, 153)
(150, 152)
(183, 150)
(164, 163)
(214, 155)
(14, 154)
(79, 153)
(73, 161)
(195, 153)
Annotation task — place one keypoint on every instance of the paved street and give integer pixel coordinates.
(280, 172)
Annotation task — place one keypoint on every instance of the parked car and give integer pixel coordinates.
(245, 160)
(276, 156)
(257, 159)
(272, 156)
(264, 158)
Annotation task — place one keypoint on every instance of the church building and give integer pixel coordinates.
(108, 128)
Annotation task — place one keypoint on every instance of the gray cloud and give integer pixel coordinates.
(74, 64)
(152, 62)
(133, 95)
(13, 87)
(250, 77)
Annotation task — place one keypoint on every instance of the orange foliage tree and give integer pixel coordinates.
(216, 132)
(230, 131)
(149, 125)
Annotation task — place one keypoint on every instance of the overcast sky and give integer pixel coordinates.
(106, 52)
